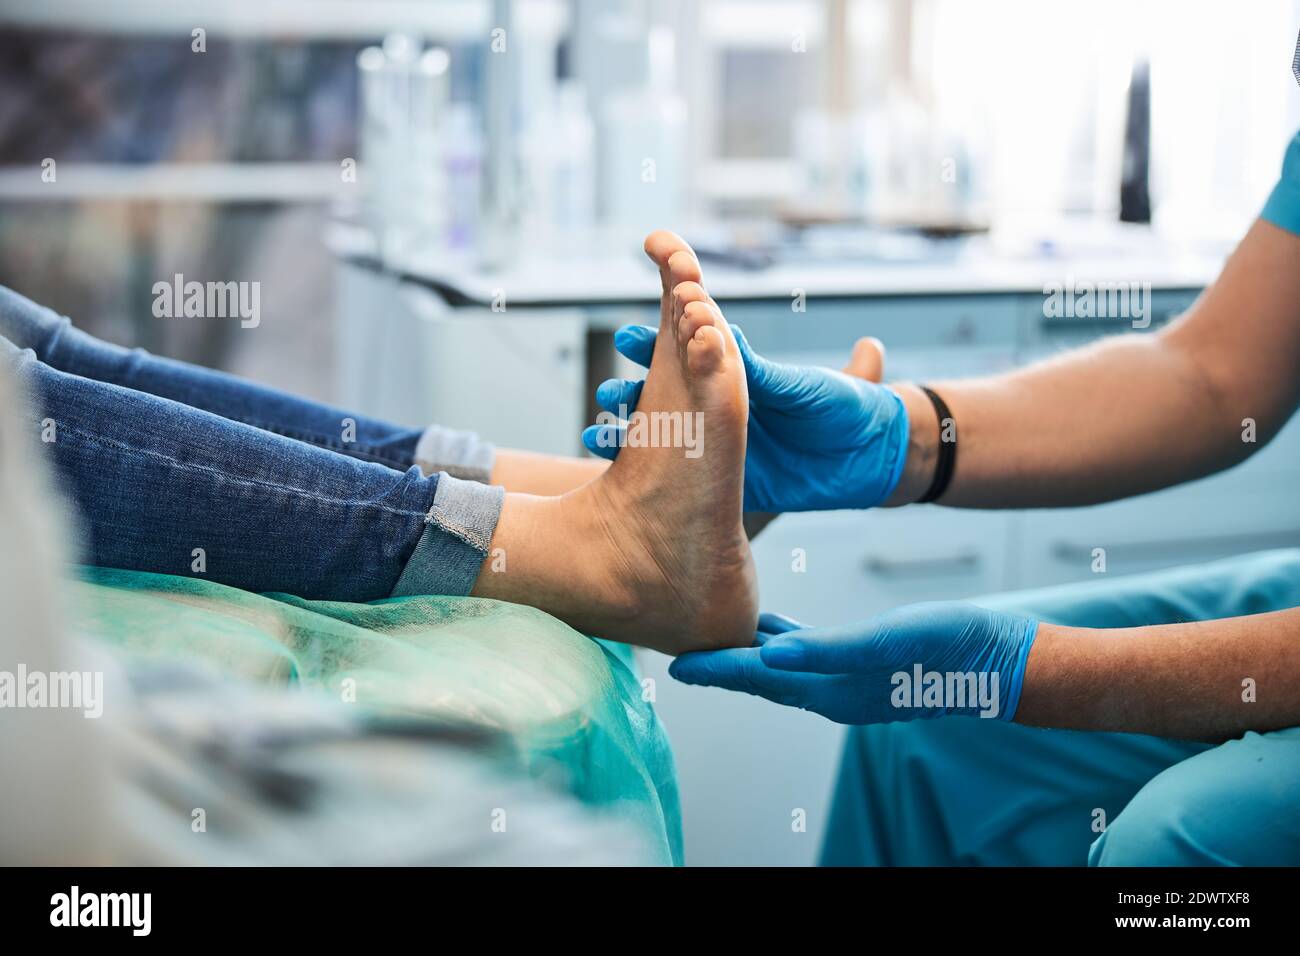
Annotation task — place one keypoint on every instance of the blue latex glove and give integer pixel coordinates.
(880, 670)
(818, 439)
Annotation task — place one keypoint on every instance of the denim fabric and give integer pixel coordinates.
(184, 470)
(461, 521)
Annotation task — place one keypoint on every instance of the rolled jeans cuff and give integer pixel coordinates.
(457, 536)
(460, 454)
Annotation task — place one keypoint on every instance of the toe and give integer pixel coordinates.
(676, 264)
(660, 246)
(695, 315)
(720, 321)
(689, 291)
(704, 353)
(684, 294)
(683, 266)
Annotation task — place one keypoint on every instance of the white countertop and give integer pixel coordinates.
(613, 277)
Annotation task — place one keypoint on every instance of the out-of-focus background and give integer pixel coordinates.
(224, 162)
(442, 202)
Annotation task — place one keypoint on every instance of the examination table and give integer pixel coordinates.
(508, 681)
(231, 727)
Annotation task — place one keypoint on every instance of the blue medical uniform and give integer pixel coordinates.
(964, 791)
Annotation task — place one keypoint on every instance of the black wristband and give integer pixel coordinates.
(947, 462)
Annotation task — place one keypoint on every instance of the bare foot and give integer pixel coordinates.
(653, 551)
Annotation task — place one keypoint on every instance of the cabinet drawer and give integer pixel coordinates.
(900, 322)
(1241, 511)
(914, 365)
(836, 567)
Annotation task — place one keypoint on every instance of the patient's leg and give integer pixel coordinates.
(653, 550)
(536, 473)
(161, 486)
(63, 347)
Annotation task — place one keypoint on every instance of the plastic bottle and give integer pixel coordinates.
(463, 155)
(643, 147)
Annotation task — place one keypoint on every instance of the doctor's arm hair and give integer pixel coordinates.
(1204, 680)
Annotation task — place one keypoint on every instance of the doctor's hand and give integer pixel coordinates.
(818, 439)
(922, 660)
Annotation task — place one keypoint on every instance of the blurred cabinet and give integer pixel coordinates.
(1248, 508)
(836, 567)
(519, 378)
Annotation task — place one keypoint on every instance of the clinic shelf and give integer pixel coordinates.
(199, 182)
(445, 20)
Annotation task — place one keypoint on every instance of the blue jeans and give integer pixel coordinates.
(178, 469)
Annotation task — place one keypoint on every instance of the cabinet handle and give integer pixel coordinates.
(1071, 552)
(967, 562)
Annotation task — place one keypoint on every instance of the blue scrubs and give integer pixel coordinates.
(962, 791)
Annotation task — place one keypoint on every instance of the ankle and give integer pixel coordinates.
(597, 539)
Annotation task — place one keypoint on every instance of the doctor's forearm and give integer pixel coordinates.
(1133, 413)
(1208, 680)
(1119, 418)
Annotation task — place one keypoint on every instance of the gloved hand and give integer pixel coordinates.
(818, 439)
(922, 660)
